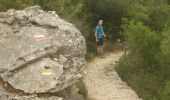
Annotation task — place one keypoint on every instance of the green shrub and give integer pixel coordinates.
(89, 56)
(158, 18)
(144, 42)
(82, 89)
(15, 4)
(166, 93)
(165, 50)
(148, 84)
(146, 67)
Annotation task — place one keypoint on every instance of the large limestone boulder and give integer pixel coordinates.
(40, 52)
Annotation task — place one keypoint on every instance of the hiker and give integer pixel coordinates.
(99, 35)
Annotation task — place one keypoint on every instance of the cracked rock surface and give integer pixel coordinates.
(40, 52)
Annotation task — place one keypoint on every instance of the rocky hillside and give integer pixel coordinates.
(41, 55)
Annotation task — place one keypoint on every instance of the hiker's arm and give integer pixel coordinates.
(96, 36)
(104, 34)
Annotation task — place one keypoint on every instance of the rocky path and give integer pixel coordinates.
(103, 82)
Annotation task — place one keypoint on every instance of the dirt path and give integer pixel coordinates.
(103, 82)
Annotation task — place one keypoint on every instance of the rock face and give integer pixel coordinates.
(40, 52)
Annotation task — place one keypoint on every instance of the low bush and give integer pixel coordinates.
(82, 89)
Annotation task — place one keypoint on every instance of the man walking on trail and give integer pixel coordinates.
(99, 35)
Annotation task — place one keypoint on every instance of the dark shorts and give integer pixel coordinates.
(100, 42)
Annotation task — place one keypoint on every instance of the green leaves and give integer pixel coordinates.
(160, 18)
(14, 4)
(143, 41)
(166, 92)
(165, 46)
(138, 12)
(147, 67)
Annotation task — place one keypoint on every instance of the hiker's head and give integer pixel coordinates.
(100, 22)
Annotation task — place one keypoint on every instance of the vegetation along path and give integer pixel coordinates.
(103, 82)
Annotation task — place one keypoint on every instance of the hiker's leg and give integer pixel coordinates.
(98, 49)
(101, 49)
(99, 46)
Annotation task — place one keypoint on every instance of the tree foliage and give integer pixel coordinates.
(146, 67)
